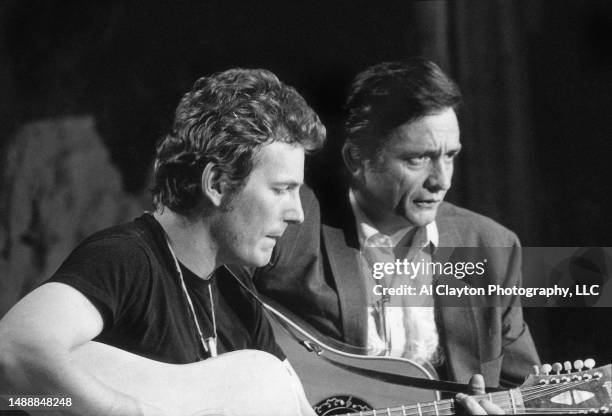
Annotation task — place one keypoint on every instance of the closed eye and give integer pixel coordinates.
(281, 189)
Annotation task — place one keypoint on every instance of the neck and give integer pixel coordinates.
(190, 240)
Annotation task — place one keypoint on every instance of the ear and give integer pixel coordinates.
(214, 186)
(352, 160)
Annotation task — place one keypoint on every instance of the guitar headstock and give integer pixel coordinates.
(563, 388)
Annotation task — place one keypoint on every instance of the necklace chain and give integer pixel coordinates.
(209, 344)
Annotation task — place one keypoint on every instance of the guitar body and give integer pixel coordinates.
(333, 389)
(246, 382)
(255, 383)
(334, 386)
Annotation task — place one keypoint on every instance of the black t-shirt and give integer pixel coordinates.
(129, 274)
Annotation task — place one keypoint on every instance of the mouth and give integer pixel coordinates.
(273, 237)
(427, 203)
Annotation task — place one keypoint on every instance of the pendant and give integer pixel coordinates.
(210, 344)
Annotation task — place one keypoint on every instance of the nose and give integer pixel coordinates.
(440, 176)
(294, 213)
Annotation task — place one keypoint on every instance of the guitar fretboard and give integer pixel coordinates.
(510, 401)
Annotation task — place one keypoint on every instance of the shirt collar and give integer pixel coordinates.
(367, 231)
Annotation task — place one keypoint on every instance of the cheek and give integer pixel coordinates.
(248, 230)
(396, 182)
(257, 215)
(253, 221)
(237, 224)
(408, 181)
(241, 238)
(244, 210)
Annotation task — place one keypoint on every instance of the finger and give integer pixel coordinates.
(491, 408)
(470, 404)
(477, 384)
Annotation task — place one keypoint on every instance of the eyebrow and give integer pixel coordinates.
(290, 183)
(427, 151)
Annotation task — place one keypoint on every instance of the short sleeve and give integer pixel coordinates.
(106, 271)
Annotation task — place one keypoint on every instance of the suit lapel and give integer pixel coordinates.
(341, 247)
(344, 263)
(461, 344)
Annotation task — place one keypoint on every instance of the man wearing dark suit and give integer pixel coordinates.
(401, 139)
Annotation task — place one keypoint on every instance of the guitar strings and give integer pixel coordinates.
(446, 407)
(450, 411)
(553, 410)
(552, 388)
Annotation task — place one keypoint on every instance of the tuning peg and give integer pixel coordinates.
(567, 366)
(546, 368)
(556, 367)
(536, 370)
(578, 365)
(589, 363)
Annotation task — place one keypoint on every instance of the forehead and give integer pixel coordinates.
(279, 161)
(431, 132)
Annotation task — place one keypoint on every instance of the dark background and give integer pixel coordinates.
(536, 76)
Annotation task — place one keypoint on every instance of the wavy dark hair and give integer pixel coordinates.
(387, 95)
(225, 119)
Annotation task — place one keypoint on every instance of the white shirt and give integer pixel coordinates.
(398, 328)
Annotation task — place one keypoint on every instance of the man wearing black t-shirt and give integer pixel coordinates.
(226, 186)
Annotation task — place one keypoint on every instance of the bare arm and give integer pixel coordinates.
(36, 338)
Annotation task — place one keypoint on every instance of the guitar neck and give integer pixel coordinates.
(557, 398)
(439, 407)
(506, 400)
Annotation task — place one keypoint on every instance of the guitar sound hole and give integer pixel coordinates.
(338, 405)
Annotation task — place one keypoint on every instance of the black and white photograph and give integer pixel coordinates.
(305, 208)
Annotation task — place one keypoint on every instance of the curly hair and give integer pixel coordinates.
(387, 95)
(225, 119)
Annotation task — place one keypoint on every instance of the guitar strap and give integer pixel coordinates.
(313, 345)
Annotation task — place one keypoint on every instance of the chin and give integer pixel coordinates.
(260, 261)
(421, 220)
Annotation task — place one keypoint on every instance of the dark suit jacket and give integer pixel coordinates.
(314, 272)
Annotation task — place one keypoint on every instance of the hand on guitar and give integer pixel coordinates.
(477, 407)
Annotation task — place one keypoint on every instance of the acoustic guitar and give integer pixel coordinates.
(335, 386)
(256, 383)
